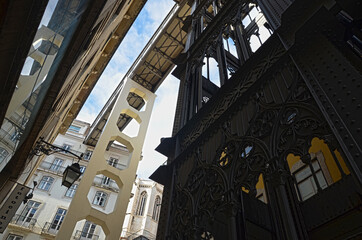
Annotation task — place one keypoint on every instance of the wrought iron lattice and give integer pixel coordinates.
(235, 161)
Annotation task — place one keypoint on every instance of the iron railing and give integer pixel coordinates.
(117, 165)
(81, 235)
(5, 138)
(49, 166)
(100, 181)
(50, 228)
(78, 153)
(24, 221)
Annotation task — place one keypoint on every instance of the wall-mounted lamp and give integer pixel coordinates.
(72, 172)
(30, 195)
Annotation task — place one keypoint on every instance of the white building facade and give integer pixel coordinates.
(143, 211)
(42, 216)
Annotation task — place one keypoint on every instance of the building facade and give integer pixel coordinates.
(143, 211)
(270, 146)
(49, 66)
(42, 216)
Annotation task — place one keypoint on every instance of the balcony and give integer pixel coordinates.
(80, 235)
(117, 165)
(5, 139)
(23, 222)
(50, 167)
(102, 181)
(79, 153)
(50, 228)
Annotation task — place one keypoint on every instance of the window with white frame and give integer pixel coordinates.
(3, 154)
(58, 219)
(29, 211)
(141, 204)
(88, 230)
(82, 168)
(14, 237)
(67, 147)
(71, 191)
(106, 181)
(73, 128)
(113, 162)
(100, 198)
(305, 180)
(156, 208)
(87, 155)
(45, 183)
(57, 163)
(15, 136)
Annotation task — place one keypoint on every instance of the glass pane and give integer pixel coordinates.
(307, 188)
(321, 180)
(315, 165)
(74, 128)
(303, 174)
(51, 42)
(253, 13)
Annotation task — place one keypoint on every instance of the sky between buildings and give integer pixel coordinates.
(162, 117)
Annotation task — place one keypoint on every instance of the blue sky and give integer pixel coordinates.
(164, 109)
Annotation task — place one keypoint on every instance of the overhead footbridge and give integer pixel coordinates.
(151, 67)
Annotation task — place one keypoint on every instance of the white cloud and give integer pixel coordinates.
(157, 11)
(87, 115)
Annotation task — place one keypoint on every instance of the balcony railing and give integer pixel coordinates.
(49, 166)
(24, 221)
(69, 149)
(109, 183)
(80, 235)
(5, 138)
(117, 165)
(50, 228)
(98, 180)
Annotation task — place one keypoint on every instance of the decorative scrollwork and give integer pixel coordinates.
(248, 170)
(298, 127)
(289, 116)
(195, 179)
(276, 129)
(211, 199)
(225, 154)
(263, 124)
(231, 97)
(301, 93)
(182, 212)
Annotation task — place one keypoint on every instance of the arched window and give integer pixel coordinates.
(156, 209)
(3, 154)
(100, 198)
(141, 203)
